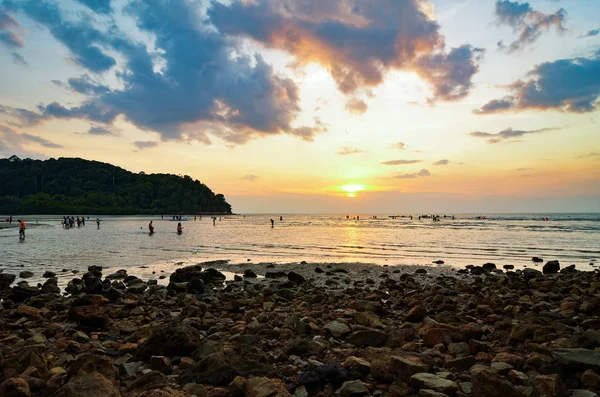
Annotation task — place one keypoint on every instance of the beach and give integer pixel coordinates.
(304, 329)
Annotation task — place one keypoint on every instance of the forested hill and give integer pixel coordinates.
(73, 186)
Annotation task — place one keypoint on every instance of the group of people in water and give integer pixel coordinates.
(151, 228)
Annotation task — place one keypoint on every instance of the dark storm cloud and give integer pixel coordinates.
(400, 162)
(7, 26)
(422, 173)
(202, 90)
(527, 22)
(141, 145)
(507, 134)
(572, 85)
(98, 6)
(18, 59)
(357, 41)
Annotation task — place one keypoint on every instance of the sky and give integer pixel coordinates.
(305, 106)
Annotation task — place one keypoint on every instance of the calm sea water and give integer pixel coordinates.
(123, 242)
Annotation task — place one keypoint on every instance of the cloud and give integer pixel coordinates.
(590, 33)
(450, 74)
(356, 106)
(527, 22)
(250, 178)
(398, 145)
(207, 86)
(345, 150)
(18, 59)
(97, 130)
(442, 162)
(572, 85)
(420, 174)
(7, 36)
(98, 6)
(400, 162)
(13, 142)
(357, 42)
(507, 134)
(141, 145)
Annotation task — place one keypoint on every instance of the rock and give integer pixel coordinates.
(15, 387)
(430, 381)
(89, 317)
(367, 337)
(583, 393)
(26, 274)
(184, 274)
(508, 267)
(418, 271)
(337, 329)
(298, 347)
(249, 273)
(296, 278)
(459, 349)
(461, 364)
(551, 267)
(352, 388)
(89, 385)
(170, 341)
(137, 289)
(489, 266)
(194, 389)
(578, 358)
(550, 386)
(501, 368)
(6, 280)
(195, 286)
(148, 381)
(404, 367)
(430, 393)
(435, 336)
(438, 262)
(536, 259)
(48, 274)
(368, 319)
(160, 363)
(357, 366)
(591, 379)
(416, 314)
(263, 387)
(489, 384)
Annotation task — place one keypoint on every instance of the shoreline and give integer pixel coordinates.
(293, 330)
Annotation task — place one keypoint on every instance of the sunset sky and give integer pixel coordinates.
(345, 106)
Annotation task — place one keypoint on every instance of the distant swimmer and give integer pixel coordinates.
(272, 223)
(151, 228)
(22, 227)
(179, 228)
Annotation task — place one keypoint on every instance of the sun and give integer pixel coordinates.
(352, 189)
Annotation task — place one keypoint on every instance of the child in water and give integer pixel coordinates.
(179, 228)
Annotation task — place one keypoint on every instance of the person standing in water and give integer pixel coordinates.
(151, 228)
(272, 223)
(179, 228)
(22, 228)
(98, 222)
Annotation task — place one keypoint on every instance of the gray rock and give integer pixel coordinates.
(352, 388)
(551, 267)
(430, 393)
(367, 337)
(579, 358)
(26, 274)
(430, 381)
(337, 329)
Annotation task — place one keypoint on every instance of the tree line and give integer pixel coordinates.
(78, 186)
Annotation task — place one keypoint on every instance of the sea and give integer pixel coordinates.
(123, 242)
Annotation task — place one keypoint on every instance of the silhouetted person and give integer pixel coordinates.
(281, 218)
(98, 222)
(179, 229)
(151, 228)
(272, 223)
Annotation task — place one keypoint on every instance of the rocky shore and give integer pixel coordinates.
(304, 330)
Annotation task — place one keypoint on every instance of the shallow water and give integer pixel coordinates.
(123, 242)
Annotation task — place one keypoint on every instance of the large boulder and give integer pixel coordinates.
(185, 274)
(89, 317)
(578, 358)
(367, 337)
(6, 280)
(15, 387)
